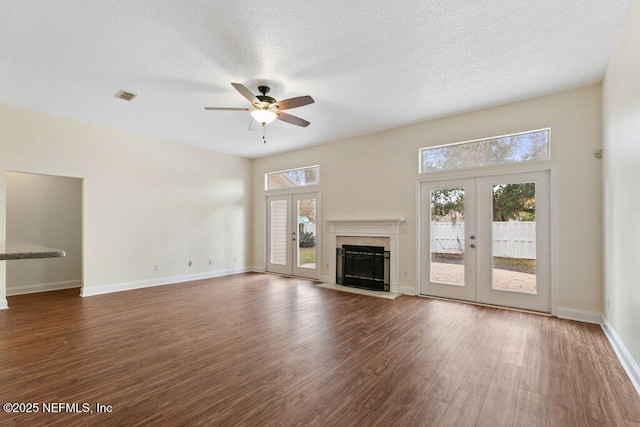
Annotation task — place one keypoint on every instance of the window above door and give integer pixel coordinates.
(292, 178)
(508, 149)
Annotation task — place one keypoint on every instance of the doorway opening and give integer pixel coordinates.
(45, 210)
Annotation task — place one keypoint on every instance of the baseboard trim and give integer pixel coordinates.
(326, 279)
(256, 269)
(43, 287)
(629, 365)
(407, 290)
(3, 304)
(140, 284)
(579, 315)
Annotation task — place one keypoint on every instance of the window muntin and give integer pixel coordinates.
(515, 148)
(292, 178)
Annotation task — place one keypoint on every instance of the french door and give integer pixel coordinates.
(292, 235)
(487, 239)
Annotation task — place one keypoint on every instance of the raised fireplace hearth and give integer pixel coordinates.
(361, 266)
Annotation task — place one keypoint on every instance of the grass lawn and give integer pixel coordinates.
(515, 264)
(512, 264)
(307, 255)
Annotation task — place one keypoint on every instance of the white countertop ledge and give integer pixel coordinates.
(12, 249)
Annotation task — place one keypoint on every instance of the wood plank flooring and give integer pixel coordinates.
(256, 349)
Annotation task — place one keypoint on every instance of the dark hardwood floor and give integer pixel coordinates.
(256, 349)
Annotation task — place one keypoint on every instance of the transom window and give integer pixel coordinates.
(292, 178)
(514, 148)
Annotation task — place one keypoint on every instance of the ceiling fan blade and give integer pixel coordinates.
(287, 104)
(246, 93)
(226, 109)
(293, 119)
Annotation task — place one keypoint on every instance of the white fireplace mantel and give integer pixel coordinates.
(369, 228)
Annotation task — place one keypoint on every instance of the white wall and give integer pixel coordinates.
(45, 210)
(374, 177)
(146, 201)
(621, 177)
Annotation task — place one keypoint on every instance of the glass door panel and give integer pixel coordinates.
(447, 240)
(306, 247)
(448, 219)
(306, 250)
(513, 247)
(278, 220)
(279, 232)
(514, 241)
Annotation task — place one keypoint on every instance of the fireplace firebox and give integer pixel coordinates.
(365, 267)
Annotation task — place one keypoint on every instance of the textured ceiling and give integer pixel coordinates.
(370, 65)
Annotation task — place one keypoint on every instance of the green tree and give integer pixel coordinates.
(447, 202)
(511, 202)
(514, 202)
(515, 148)
(307, 207)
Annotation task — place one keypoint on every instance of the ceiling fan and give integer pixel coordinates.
(266, 109)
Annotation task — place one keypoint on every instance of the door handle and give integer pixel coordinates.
(472, 246)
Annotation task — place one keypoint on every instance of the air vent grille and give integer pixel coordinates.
(127, 96)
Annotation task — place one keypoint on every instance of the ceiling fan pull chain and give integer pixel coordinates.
(264, 133)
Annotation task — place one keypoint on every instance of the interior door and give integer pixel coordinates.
(292, 235)
(488, 240)
(448, 240)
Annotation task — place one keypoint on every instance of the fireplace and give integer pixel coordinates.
(368, 232)
(362, 266)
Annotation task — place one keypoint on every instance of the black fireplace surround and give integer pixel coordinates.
(365, 267)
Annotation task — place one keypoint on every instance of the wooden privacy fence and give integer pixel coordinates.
(513, 239)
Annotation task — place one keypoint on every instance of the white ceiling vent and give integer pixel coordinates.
(127, 96)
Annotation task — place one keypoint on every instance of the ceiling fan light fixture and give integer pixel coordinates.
(265, 109)
(263, 116)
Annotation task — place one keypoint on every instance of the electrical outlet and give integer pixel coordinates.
(210, 262)
(235, 259)
(406, 273)
(189, 263)
(327, 266)
(156, 267)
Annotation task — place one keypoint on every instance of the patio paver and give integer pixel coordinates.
(503, 279)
